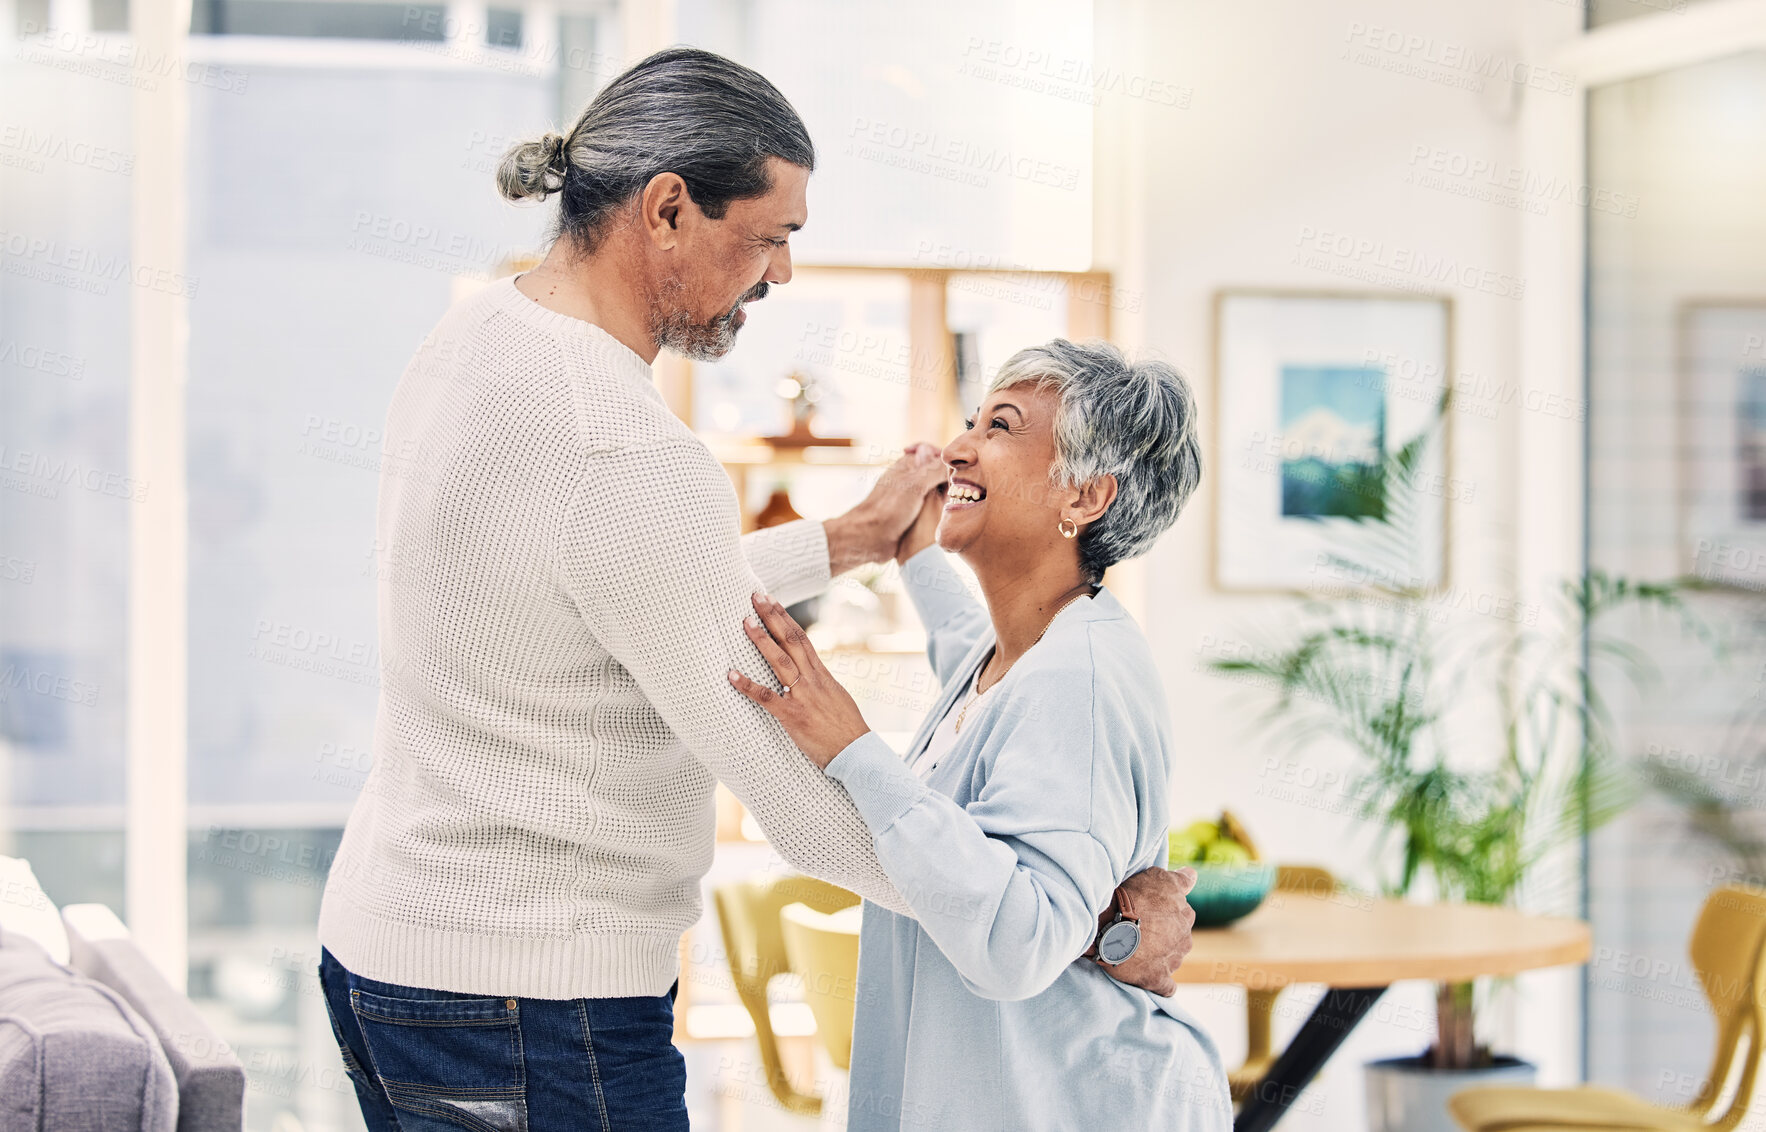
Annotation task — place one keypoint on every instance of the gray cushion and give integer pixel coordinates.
(211, 1081)
(74, 1056)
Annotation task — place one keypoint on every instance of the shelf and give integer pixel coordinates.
(747, 453)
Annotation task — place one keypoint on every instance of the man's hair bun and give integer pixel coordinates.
(534, 169)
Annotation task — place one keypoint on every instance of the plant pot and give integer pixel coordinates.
(1404, 1094)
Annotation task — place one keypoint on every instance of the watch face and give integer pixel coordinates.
(1120, 940)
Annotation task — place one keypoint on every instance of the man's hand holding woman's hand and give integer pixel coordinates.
(924, 530)
(874, 529)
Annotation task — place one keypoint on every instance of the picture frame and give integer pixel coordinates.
(1313, 390)
(1721, 406)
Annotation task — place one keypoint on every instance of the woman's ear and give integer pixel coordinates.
(1093, 499)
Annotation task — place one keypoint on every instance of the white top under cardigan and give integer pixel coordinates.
(564, 592)
(944, 736)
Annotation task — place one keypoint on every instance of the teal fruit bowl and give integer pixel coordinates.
(1225, 893)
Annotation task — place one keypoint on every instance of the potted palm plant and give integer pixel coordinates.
(1381, 669)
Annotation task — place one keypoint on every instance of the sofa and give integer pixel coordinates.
(100, 1042)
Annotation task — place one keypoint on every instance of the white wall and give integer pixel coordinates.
(1301, 118)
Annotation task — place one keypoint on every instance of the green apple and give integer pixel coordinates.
(1202, 832)
(1225, 851)
(1183, 850)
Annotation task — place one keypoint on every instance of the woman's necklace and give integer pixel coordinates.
(975, 688)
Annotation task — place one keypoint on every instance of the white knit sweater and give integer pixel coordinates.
(563, 593)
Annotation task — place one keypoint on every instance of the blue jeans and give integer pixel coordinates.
(430, 1060)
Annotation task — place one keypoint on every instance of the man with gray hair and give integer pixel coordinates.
(502, 921)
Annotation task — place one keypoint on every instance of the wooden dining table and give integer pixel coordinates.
(1357, 946)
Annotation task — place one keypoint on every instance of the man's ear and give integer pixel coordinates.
(660, 208)
(1092, 499)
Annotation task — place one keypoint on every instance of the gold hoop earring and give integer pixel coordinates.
(1068, 528)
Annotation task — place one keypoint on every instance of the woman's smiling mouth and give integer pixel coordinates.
(962, 493)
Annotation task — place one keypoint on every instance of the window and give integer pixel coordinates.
(319, 19)
(1676, 168)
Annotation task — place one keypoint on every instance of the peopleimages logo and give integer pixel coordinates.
(54, 685)
(115, 58)
(51, 473)
(38, 147)
(1409, 53)
(1072, 77)
(425, 245)
(950, 158)
(54, 363)
(1435, 167)
(1398, 265)
(56, 262)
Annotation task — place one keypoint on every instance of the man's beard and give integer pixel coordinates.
(672, 326)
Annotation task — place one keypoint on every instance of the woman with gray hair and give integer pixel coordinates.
(1038, 782)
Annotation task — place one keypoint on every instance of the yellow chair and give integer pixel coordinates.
(824, 951)
(748, 914)
(1727, 952)
(1260, 1003)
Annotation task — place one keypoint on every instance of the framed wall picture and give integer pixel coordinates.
(1722, 455)
(1314, 392)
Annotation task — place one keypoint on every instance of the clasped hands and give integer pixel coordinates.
(823, 719)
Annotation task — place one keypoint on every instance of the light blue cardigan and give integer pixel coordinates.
(976, 1015)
